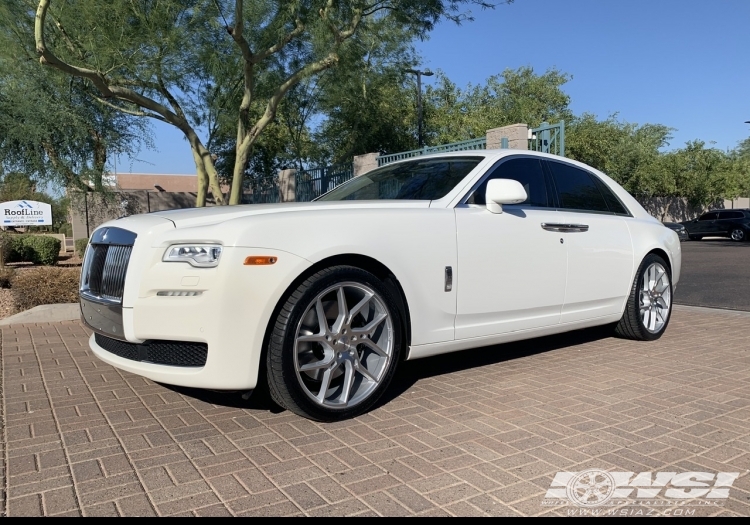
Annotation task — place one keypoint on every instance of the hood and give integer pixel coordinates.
(216, 214)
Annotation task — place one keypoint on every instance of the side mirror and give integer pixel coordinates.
(503, 191)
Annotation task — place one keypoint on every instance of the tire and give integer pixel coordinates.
(638, 321)
(737, 235)
(359, 350)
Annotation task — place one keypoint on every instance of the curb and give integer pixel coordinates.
(46, 313)
(711, 310)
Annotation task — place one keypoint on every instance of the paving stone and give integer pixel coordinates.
(481, 438)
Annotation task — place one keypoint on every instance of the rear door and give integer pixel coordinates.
(600, 251)
(728, 220)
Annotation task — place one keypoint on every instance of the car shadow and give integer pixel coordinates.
(410, 372)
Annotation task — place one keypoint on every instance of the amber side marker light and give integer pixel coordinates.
(260, 260)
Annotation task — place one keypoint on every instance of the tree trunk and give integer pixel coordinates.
(208, 178)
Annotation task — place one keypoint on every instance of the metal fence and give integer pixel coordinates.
(310, 184)
(473, 144)
(263, 190)
(548, 138)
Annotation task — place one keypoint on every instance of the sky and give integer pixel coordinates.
(681, 63)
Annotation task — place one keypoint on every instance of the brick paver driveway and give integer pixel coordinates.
(474, 433)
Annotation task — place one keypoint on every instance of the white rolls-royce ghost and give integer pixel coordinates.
(322, 300)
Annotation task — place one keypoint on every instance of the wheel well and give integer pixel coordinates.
(359, 261)
(661, 253)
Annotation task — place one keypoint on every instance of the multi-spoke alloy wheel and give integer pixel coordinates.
(335, 344)
(344, 345)
(656, 298)
(737, 234)
(649, 305)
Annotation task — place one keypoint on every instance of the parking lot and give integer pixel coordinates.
(480, 433)
(715, 273)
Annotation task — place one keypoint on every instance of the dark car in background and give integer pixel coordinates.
(679, 229)
(734, 224)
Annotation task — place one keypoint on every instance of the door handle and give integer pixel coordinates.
(565, 228)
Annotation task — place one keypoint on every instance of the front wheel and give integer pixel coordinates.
(649, 305)
(335, 344)
(737, 234)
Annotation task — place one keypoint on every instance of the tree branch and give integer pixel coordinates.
(47, 57)
(128, 111)
(279, 92)
(172, 100)
(236, 32)
(299, 28)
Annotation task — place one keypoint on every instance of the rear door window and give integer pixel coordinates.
(731, 215)
(576, 188)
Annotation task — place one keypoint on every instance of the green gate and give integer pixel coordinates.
(548, 138)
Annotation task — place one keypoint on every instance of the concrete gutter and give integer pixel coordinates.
(46, 313)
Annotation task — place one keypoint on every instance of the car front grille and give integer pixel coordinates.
(172, 353)
(106, 264)
(106, 276)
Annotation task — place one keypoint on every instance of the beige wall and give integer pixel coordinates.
(145, 181)
(169, 183)
(101, 209)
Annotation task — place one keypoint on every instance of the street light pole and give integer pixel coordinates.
(418, 73)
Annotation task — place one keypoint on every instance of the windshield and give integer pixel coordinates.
(418, 179)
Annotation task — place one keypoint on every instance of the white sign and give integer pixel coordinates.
(25, 213)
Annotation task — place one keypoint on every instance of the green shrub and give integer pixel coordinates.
(30, 287)
(38, 249)
(81, 247)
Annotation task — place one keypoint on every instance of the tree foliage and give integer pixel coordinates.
(193, 63)
(515, 96)
(50, 127)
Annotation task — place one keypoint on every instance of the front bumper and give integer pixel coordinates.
(230, 315)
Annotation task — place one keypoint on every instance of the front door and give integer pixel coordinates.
(511, 271)
(706, 224)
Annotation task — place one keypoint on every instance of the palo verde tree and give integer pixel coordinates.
(51, 129)
(149, 57)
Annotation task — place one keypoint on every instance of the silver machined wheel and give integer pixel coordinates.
(343, 345)
(737, 234)
(655, 298)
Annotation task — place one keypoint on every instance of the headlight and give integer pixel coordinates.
(198, 255)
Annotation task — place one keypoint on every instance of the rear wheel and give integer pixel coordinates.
(335, 345)
(737, 234)
(649, 306)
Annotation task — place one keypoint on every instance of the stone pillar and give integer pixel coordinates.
(364, 163)
(517, 135)
(288, 185)
(78, 212)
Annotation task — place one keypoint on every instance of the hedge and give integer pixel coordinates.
(38, 249)
(32, 287)
(81, 247)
